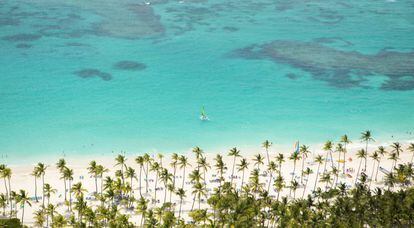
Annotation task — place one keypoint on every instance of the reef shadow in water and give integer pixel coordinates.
(22, 37)
(343, 69)
(129, 65)
(91, 73)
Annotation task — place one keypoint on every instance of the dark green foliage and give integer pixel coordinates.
(10, 223)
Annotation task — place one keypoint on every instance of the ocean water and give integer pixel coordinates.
(100, 77)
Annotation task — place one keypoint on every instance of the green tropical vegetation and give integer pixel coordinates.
(124, 198)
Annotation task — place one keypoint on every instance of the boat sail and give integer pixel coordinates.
(203, 115)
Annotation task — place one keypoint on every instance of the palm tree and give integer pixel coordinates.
(306, 173)
(68, 175)
(220, 167)
(203, 164)
(23, 199)
(41, 169)
(199, 190)
(131, 174)
(39, 217)
(267, 144)
(319, 159)
(279, 184)
(339, 148)
(147, 161)
(142, 206)
(362, 155)
(394, 158)
(183, 163)
(271, 168)
(6, 174)
(326, 178)
(396, 147)
(235, 153)
(328, 148)
(280, 159)
(242, 167)
(181, 194)
(61, 165)
(381, 151)
(92, 170)
(295, 157)
(155, 167)
(120, 161)
(78, 190)
(36, 175)
(50, 211)
(100, 170)
(366, 137)
(3, 175)
(376, 158)
(345, 140)
(335, 172)
(160, 157)
(48, 192)
(140, 161)
(293, 186)
(258, 160)
(198, 153)
(165, 177)
(304, 151)
(411, 149)
(3, 203)
(174, 163)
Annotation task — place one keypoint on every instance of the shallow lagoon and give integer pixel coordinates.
(84, 77)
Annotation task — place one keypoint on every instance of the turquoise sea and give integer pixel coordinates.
(96, 77)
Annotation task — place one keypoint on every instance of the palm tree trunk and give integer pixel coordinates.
(270, 181)
(317, 174)
(294, 169)
(146, 179)
(179, 211)
(64, 183)
(267, 154)
(140, 177)
(36, 189)
(241, 187)
(7, 191)
(43, 190)
(232, 171)
(326, 161)
(376, 173)
(183, 178)
(301, 173)
(96, 184)
(165, 191)
(366, 150)
(155, 188)
(23, 215)
(192, 206)
(372, 174)
(339, 158)
(332, 161)
(343, 171)
(359, 167)
(304, 188)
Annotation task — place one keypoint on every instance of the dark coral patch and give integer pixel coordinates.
(22, 37)
(23, 46)
(129, 65)
(230, 29)
(342, 69)
(91, 73)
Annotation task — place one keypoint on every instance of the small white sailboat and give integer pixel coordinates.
(203, 115)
